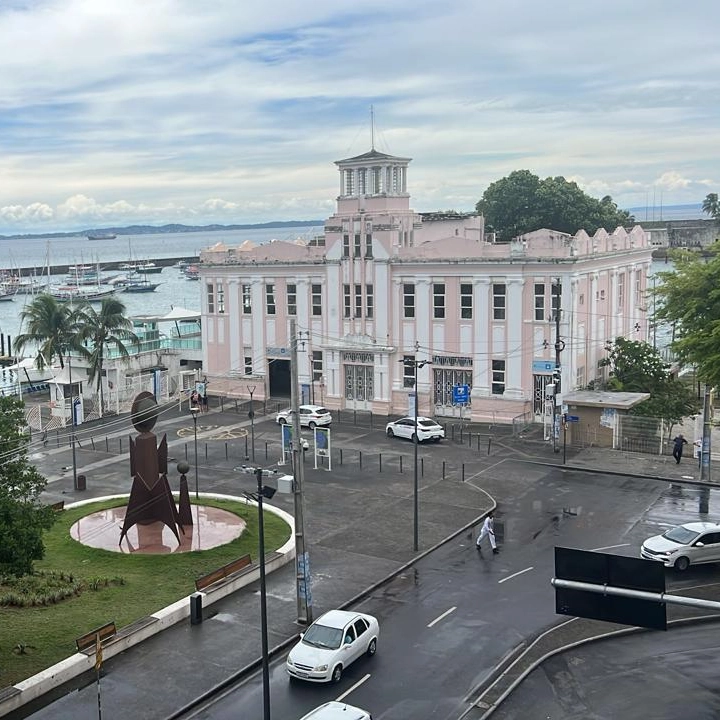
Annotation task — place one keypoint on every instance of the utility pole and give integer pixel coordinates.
(72, 422)
(302, 557)
(559, 347)
(706, 435)
(263, 597)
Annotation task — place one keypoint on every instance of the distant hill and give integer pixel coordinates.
(170, 228)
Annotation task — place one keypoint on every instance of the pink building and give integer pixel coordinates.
(386, 284)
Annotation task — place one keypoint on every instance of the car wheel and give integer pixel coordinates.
(282, 421)
(312, 425)
(682, 564)
(412, 437)
(437, 439)
(336, 674)
(390, 432)
(372, 647)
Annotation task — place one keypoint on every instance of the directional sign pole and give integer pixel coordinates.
(564, 438)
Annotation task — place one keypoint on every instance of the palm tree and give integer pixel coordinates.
(108, 328)
(51, 327)
(711, 206)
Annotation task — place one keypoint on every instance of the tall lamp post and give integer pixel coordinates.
(415, 364)
(72, 423)
(194, 412)
(263, 491)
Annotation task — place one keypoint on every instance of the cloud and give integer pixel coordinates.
(234, 112)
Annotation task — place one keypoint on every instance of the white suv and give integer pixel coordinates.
(310, 416)
(337, 711)
(690, 544)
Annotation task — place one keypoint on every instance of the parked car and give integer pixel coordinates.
(337, 711)
(428, 429)
(684, 545)
(330, 644)
(310, 416)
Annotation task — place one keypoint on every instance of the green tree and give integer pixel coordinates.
(521, 202)
(107, 329)
(711, 206)
(688, 298)
(22, 517)
(638, 367)
(51, 328)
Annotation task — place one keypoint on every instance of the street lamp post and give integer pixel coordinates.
(194, 412)
(416, 364)
(251, 390)
(72, 424)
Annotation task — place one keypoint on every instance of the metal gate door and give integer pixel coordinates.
(359, 390)
(540, 382)
(443, 382)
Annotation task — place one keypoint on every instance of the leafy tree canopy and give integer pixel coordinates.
(522, 202)
(711, 206)
(22, 517)
(688, 298)
(638, 367)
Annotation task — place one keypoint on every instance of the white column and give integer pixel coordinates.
(258, 341)
(423, 315)
(233, 321)
(591, 353)
(481, 341)
(514, 340)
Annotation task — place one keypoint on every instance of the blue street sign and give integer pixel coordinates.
(572, 418)
(461, 394)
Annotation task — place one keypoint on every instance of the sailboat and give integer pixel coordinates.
(141, 285)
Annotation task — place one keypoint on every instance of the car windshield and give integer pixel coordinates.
(321, 411)
(323, 636)
(681, 535)
(427, 423)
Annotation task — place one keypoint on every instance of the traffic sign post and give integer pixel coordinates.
(461, 397)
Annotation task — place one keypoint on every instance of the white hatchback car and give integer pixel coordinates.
(330, 644)
(684, 545)
(310, 416)
(428, 429)
(337, 711)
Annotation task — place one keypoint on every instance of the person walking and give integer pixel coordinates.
(678, 443)
(488, 530)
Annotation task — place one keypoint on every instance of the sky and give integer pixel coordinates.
(120, 112)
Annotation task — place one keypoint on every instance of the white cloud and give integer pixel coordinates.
(129, 111)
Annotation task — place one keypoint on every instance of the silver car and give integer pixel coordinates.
(684, 545)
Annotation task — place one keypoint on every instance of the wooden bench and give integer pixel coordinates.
(86, 643)
(223, 573)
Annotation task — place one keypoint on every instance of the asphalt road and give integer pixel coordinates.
(449, 621)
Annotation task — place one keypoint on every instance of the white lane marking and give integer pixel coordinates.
(445, 614)
(353, 687)
(610, 547)
(510, 577)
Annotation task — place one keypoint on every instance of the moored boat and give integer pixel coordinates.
(74, 293)
(101, 236)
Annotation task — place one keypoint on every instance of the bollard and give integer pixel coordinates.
(341, 456)
(354, 417)
(489, 444)
(222, 404)
(463, 472)
(121, 446)
(186, 451)
(107, 445)
(380, 458)
(361, 458)
(92, 440)
(401, 463)
(266, 450)
(196, 608)
(226, 453)
(205, 452)
(443, 470)
(422, 467)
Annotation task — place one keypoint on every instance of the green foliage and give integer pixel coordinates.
(521, 202)
(44, 587)
(711, 206)
(638, 367)
(22, 517)
(688, 298)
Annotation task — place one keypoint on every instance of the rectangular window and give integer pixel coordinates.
(346, 245)
(221, 299)
(438, 300)
(210, 298)
(358, 301)
(368, 245)
(466, 301)
(346, 300)
(581, 299)
(248, 365)
(408, 300)
(292, 298)
(555, 300)
(539, 301)
(638, 288)
(246, 299)
(409, 371)
(270, 299)
(621, 291)
(498, 301)
(498, 377)
(369, 301)
(317, 365)
(316, 300)
(357, 246)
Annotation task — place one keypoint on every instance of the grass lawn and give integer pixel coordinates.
(149, 583)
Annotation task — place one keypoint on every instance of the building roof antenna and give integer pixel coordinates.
(372, 128)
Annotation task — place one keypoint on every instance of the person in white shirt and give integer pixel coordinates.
(488, 530)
